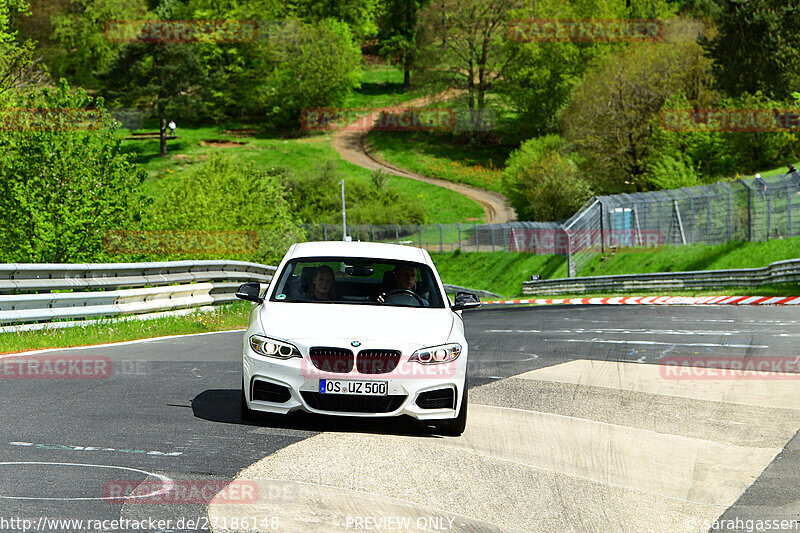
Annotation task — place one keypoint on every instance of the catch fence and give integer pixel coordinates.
(754, 209)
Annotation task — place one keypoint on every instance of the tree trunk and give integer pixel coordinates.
(163, 137)
(406, 78)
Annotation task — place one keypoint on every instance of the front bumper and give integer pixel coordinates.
(301, 379)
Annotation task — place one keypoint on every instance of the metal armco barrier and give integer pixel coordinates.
(116, 289)
(779, 272)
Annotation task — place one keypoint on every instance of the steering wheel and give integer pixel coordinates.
(406, 292)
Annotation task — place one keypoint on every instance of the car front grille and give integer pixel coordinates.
(335, 360)
(353, 403)
(377, 361)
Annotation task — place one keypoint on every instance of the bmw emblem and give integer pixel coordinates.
(355, 344)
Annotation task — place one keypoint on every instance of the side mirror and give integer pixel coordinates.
(466, 300)
(249, 292)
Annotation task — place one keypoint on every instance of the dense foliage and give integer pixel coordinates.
(578, 117)
(63, 181)
(224, 196)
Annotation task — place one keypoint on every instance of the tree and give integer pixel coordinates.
(167, 78)
(610, 115)
(398, 34)
(16, 60)
(63, 179)
(757, 47)
(359, 15)
(542, 184)
(309, 65)
(81, 47)
(463, 46)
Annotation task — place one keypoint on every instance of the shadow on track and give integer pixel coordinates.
(223, 405)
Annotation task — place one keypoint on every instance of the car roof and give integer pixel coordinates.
(374, 250)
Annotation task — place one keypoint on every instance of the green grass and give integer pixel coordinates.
(695, 257)
(775, 289)
(222, 318)
(504, 272)
(498, 272)
(298, 155)
(783, 169)
(381, 86)
(437, 155)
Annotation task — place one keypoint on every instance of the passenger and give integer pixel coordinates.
(322, 284)
(404, 278)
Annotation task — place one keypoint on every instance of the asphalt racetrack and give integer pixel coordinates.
(579, 420)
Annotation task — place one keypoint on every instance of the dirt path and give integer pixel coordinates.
(352, 144)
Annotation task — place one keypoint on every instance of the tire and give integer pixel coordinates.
(454, 427)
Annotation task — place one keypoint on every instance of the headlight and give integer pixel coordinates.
(436, 354)
(273, 348)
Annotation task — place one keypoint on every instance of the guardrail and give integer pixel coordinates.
(779, 272)
(480, 292)
(42, 292)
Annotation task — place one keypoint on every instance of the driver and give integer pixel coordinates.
(405, 278)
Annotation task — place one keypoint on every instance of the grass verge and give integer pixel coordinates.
(504, 272)
(225, 317)
(438, 156)
(773, 289)
(300, 156)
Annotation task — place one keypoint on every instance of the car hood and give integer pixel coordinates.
(364, 323)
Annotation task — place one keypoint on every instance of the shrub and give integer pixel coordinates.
(63, 184)
(541, 183)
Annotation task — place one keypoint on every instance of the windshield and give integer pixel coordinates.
(347, 280)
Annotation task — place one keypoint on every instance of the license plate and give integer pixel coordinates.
(364, 388)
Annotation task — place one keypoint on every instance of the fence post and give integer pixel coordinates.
(325, 231)
(441, 249)
(477, 243)
(749, 209)
(570, 262)
(419, 232)
(373, 232)
(789, 210)
(768, 193)
(491, 232)
(459, 235)
(602, 228)
(396, 233)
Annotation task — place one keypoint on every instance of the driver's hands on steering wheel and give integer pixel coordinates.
(382, 297)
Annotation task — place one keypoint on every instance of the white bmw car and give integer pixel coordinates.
(357, 329)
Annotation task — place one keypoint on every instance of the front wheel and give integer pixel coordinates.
(454, 427)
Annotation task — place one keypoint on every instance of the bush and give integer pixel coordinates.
(710, 155)
(316, 198)
(312, 65)
(63, 184)
(541, 183)
(223, 196)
